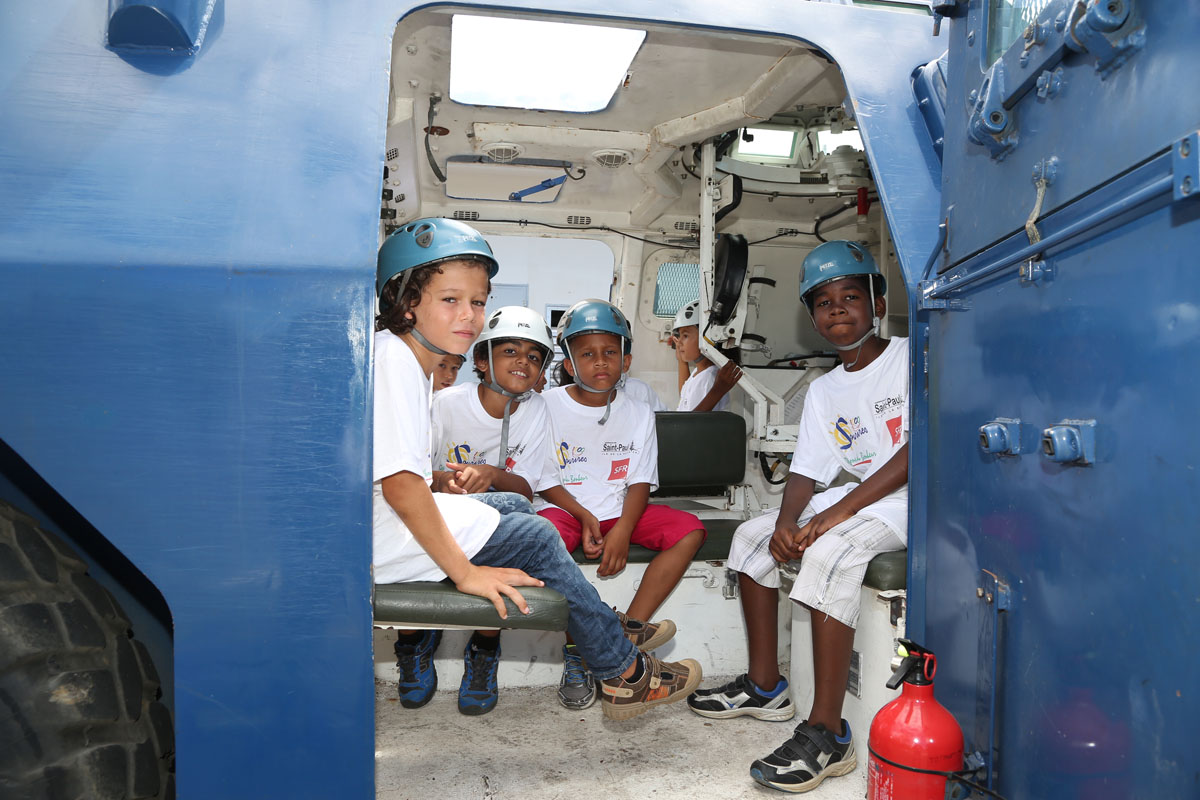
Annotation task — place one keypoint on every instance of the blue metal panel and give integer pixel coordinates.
(187, 256)
(1125, 115)
(1079, 686)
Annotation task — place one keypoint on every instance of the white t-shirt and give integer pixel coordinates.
(464, 432)
(403, 444)
(697, 387)
(640, 390)
(597, 463)
(856, 421)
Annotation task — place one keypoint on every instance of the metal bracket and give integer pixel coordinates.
(1072, 441)
(991, 124)
(1091, 31)
(549, 183)
(1035, 271)
(927, 303)
(1185, 167)
(998, 598)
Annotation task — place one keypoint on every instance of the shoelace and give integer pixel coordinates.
(407, 663)
(573, 666)
(477, 671)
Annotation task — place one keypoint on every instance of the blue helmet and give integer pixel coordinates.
(428, 241)
(593, 316)
(833, 260)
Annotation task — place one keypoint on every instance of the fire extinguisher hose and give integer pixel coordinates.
(954, 777)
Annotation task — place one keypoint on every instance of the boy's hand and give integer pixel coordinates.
(727, 377)
(783, 542)
(616, 552)
(593, 541)
(496, 583)
(820, 524)
(471, 478)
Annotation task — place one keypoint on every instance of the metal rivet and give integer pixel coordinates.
(979, 591)
(1186, 186)
(1185, 147)
(971, 38)
(988, 597)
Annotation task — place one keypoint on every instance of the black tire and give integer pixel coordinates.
(80, 715)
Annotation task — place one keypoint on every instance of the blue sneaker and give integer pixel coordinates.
(478, 693)
(418, 677)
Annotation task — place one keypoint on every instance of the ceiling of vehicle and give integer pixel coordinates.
(682, 87)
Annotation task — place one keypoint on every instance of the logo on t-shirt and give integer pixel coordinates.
(895, 427)
(459, 453)
(847, 431)
(620, 470)
(568, 455)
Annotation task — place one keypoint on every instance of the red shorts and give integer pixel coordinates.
(659, 528)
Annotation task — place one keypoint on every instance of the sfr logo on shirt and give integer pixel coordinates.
(620, 470)
(894, 427)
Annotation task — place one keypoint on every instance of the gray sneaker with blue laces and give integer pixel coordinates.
(577, 688)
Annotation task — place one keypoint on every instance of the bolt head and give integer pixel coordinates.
(1186, 186)
(1185, 147)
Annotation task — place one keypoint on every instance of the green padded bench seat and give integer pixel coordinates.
(423, 603)
(886, 571)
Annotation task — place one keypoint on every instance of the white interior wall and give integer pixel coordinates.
(557, 271)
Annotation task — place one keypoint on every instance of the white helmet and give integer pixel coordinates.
(688, 315)
(514, 322)
(518, 322)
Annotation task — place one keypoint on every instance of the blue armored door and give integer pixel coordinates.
(1056, 537)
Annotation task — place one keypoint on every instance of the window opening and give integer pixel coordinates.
(1006, 22)
(548, 66)
(678, 284)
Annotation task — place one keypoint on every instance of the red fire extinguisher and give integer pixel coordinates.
(915, 742)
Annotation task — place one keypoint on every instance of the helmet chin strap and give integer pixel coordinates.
(430, 346)
(611, 392)
(502, 461)
(874, 330)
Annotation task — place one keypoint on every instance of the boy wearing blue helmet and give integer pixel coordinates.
(604, 457)
(855, 419)
(433, 281)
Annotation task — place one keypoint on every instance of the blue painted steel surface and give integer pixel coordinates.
(187, 255)
(1125, 118)
(1093, 658)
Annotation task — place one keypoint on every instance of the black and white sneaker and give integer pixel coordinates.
(741, 698)
(813, 754)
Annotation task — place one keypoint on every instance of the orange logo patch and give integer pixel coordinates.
(658, 692)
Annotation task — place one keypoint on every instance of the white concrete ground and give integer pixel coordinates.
(532, 748)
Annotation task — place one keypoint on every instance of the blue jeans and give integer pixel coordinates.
(531, 543)
(504, 502)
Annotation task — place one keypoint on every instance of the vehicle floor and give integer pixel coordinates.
(530, 747)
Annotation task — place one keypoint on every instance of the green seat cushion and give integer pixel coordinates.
(888, 571)
(440, 604)
(700, 449)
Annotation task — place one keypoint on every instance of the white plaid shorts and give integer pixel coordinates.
(831, 571)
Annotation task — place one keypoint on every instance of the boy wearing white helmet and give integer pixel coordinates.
(492, 435)
(433, 281)
(701, 386)
(488, 442)
(855, 419)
